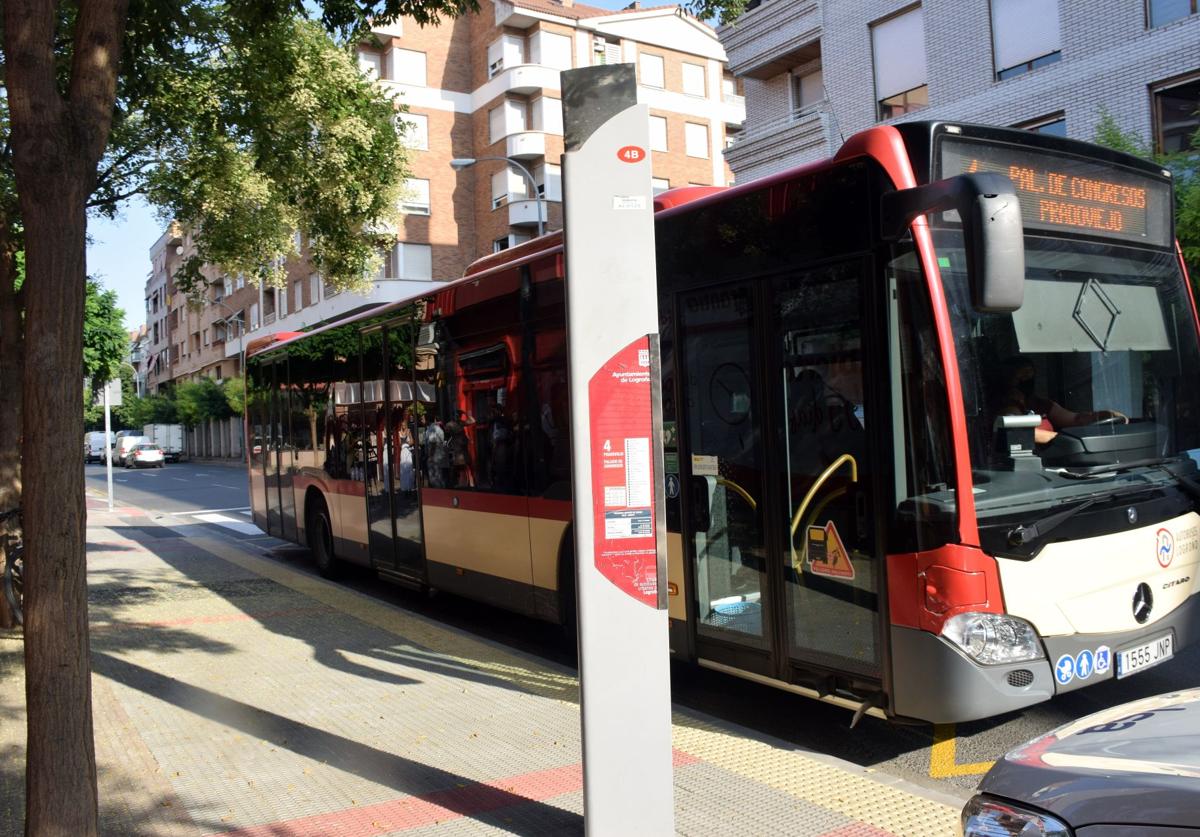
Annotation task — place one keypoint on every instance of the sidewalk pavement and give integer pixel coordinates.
(237, 695)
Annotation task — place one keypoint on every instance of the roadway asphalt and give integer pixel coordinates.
(949, 758)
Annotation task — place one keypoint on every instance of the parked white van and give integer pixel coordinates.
(94, 448)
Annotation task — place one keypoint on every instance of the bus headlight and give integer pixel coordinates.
(993, 638)
(983, 817)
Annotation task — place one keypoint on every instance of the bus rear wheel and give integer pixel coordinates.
(320, 540)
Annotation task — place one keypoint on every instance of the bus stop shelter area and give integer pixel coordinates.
(235, 693)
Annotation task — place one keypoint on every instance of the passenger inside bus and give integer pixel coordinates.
(1017, 396)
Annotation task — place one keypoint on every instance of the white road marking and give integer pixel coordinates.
(230, 523)
(211, 511)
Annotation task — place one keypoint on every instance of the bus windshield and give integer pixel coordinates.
(1095, 379)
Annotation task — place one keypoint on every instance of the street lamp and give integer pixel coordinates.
(460, 163)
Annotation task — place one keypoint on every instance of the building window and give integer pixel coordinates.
(658, 133)
(1162, 12)
(550, 50)
(808, 88)
(547, 115)
(549, 181)
(728, 89)
(253, 316)
(652, 70)
(413, 261)
(228, 286)
(506, 52)
(241, 281)
(299, 296)
(1025, 36)
(500, 244)
(694, 83)
(507, 185)
(1176, 114)
(605, 51)
(371, 64)
(1055, 125)
(206, 337)
(898, 45)
(414, 128)
(695, 139)
(408, 67)
(314, 288)
(507, 118)
(416, 196)
(659, 185)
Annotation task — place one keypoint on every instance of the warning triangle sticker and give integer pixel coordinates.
(831, 558)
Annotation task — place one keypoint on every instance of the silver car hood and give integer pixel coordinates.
(1138, 763)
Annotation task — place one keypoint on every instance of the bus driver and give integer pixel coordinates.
(1019, 398)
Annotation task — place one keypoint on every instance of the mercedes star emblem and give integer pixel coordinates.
(1131, 514)
(1143, 601)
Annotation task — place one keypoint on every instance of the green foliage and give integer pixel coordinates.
(305, 142)
(235, 395)
(1185, 170)
(196, 401)
(153, 409)
(105, 341)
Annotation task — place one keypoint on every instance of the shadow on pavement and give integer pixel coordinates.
(479, 802)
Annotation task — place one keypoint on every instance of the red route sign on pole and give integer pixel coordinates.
(622, 418)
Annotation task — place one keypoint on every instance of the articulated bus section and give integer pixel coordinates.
(891, 483)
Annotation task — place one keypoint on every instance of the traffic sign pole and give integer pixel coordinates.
(616, 424)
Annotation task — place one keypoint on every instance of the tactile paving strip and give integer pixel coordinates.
(856, 795)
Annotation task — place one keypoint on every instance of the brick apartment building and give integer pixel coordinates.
(816, 72)
(483, 87)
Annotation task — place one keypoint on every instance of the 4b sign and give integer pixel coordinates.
(631, 154)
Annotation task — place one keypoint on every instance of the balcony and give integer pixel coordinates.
(801, 137)
(526, 145)
(773, 37)
(524, 213)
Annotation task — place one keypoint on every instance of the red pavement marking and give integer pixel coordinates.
(857, 829)
(437, 807)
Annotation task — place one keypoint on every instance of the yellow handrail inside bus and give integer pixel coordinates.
(745, 494)
(814, 488)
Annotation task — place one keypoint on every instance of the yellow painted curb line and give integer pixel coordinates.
(943, 760)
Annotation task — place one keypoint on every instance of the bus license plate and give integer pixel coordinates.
(1142, 656)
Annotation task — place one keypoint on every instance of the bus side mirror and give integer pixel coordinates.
(990, 212)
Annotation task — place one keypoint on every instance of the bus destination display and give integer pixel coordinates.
(1068, 194)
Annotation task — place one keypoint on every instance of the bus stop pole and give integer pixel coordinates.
(616, 424)
(108, 445)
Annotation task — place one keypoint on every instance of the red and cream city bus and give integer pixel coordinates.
(888, 486)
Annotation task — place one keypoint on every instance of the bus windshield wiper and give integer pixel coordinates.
(1186, 483)
(1023, 535)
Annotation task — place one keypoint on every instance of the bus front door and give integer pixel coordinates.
(784, 560)
(725, 461)
(820, 365)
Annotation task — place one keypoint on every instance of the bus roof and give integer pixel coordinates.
(888, 145)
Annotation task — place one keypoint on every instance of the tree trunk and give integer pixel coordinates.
(57, 134)
(12, 351)
(61, 765)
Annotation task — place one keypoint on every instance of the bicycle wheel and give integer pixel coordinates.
(14, 584)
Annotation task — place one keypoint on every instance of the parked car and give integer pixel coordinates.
(1130, 770)
(124, 445)
(145, 456)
